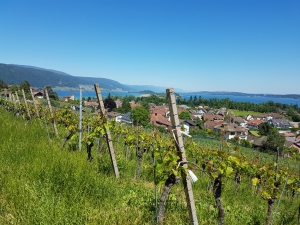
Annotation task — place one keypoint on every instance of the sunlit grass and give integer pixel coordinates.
(42, 184)
(244, 113)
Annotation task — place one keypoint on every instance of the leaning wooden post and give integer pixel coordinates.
(13, 98)
(181, 153)
(35, 106)
(107, 132)
(51, 112)
(27, 109)
(17, 97)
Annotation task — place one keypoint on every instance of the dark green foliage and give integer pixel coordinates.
(184, 115)
(109, 104)
(155, 99)
(25, 86)
(124, 109)
(2, 84)
(264, 129)
(140, 116)
(14, 88)
(274, 140)
(52, 95)
(245, 143)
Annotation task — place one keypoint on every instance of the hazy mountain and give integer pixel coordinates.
(156, 89)
(39, 77)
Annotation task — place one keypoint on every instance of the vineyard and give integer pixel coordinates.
(129, 175)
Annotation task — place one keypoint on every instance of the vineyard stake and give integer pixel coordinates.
(80, 117)
(35, 106)
(17, 97)
(27, 109)
(13, 97)
(107, 132)
(51, 112)
(181, 153)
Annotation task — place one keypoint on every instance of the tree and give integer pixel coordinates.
(274, 140)
(109, 103)
(25, 86)
(184, 115)
(264, 129)
(125, 107)
(52, 95)
(140, 115)
(14, 88)
(2, 84)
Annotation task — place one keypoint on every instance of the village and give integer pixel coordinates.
(196, 121)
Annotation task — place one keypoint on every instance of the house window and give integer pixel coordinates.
(232, 133)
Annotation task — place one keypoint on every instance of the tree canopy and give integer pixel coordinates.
(274, 139)
(2, 84)
(25, 86)
(52, 95)
(109, 103)
(184, 115)
(140, 116)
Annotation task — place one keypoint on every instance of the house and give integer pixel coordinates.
(6, 94)
(281, 123)
(125, 119)
(160, 116)
(212, 124)
(249, 117)
(231, 130)
(257, 142)
(118, 103)
(67, 98)
(258, 117)
(187, 125)
(114, 115)
(270, 116)
(91, 104)
(240, 121)
(254, 124)
(38, 94)
(211, 117)
(199, 112)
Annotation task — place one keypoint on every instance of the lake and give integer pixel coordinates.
(236, 98)
(92, 94)
(255, 100)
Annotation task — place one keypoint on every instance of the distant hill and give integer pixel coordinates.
(294, 96)
(155, 89)
(39, 77)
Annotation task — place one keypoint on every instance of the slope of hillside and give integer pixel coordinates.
(39, 77)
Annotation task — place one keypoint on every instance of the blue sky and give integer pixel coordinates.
(250, 46)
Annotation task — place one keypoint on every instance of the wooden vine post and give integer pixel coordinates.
(51, 112)
(181, 153)
(14, 101)
(17, 97)
(35, 106)
(27, 109)
(107, 132)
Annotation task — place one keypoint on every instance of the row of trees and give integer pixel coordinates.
(25, 85)
(270, 106)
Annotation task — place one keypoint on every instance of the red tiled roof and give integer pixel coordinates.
(255, 122)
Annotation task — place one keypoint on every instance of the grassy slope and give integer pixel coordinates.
(244, 113)
(42, 184)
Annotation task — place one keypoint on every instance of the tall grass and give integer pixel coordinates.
(40, 183)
